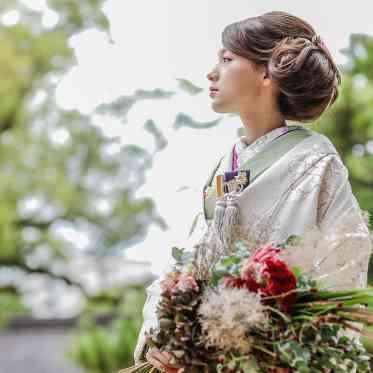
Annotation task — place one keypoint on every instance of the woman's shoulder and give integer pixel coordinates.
(319, 142)
(314, 156)
(315, 147)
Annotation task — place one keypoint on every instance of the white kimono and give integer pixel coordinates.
(307, 187)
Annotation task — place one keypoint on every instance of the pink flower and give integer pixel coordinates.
(168, 284)
(177, 282)
(186, 283)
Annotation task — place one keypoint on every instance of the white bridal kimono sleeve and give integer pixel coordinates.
(306, 188)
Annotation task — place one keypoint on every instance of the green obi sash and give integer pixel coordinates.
(259, 163)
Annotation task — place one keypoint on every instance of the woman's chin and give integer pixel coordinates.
(218, 107)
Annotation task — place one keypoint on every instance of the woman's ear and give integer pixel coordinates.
(265, 76)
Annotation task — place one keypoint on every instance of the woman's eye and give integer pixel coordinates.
(225, 58)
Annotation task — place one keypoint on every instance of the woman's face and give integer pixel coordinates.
(238, 81)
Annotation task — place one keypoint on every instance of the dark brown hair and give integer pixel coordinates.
(295, 57)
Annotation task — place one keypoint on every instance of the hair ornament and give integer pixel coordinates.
(316, 39)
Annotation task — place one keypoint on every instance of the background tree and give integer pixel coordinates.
(58, 171)
(349, 124)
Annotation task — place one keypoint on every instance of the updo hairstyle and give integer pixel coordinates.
(295, 58)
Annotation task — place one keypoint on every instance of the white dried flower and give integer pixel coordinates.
(227, 314)
(337, 255)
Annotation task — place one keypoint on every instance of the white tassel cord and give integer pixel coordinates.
(219, 212)
(230, 222)
(226, 219)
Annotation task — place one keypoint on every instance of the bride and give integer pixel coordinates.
(272, 69)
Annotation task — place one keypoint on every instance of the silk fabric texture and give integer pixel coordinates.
(308, 187)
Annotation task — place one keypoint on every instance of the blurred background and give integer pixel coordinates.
(106, 138)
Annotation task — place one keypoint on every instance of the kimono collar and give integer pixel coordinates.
(244, 150)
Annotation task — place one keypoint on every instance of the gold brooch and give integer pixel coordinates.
(232, 182)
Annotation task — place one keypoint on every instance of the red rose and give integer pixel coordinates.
(270, 275)
(238, 282)
(279, 280)
(253, 267)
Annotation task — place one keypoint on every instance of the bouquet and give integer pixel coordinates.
(256, 312)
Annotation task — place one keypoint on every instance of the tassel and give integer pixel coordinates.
(230, 222)
(226, 219)
(219, 211)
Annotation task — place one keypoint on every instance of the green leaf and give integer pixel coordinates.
(296, 271)
(293, 240)
(183, 259)
(177, 254)
(294, 355)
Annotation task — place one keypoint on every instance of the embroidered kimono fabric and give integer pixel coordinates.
(308, 187)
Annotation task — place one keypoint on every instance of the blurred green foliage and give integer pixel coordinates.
(10, 305)
(110, 348)
(62, 166)
(349, 122)
(64, 180)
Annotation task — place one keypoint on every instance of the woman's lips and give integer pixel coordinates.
(213, 92)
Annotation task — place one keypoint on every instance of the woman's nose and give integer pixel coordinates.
(212, 75)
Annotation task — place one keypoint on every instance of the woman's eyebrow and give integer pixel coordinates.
(221, 51)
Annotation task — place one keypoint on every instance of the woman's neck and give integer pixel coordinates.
(257, 125)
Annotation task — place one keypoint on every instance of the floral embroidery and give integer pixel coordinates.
(335, 173)
(305, 174)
